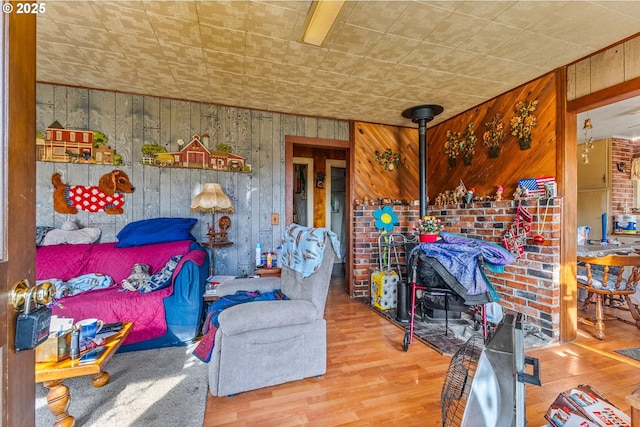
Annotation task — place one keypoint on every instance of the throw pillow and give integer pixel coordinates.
(162, 278)
(155, 230)
(140, 273)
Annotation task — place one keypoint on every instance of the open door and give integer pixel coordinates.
(17, 207)
(336, 212)
(303, 191)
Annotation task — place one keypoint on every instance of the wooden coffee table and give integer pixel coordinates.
(51, 374)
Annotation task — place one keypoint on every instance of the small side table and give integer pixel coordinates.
(211, 246)
(268, 272)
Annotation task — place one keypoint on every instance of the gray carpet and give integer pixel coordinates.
(633, 353)
(161, 387)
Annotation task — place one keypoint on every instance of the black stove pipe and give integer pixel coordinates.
(422, 114)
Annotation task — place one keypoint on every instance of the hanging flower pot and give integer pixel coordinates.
(452, 161)
(525, 143)
(492, 138)
(428, 238)
(468, 144)
(523, 123)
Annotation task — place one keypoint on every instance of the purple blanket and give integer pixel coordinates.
(114, 304)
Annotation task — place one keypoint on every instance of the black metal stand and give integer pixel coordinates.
(402, 311)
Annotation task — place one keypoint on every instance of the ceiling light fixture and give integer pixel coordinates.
(323, 16)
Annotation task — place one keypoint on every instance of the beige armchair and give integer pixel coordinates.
(264, 343)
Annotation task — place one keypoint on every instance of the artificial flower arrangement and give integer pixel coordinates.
(452, 146)
(494, 135)
(428, 225)
(523, 122)
(468, 144)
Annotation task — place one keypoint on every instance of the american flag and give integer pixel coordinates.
(535, 186)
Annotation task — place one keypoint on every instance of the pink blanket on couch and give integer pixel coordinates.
(114, 304)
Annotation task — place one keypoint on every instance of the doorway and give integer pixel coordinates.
(302, 196)
(321, 151)
(335, 212)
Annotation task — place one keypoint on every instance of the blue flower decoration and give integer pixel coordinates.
(385, 218)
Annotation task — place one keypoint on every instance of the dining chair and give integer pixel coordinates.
(609, 281)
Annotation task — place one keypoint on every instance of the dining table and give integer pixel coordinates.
(604, 249)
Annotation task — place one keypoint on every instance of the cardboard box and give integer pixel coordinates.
(55, 348)
(583, 406)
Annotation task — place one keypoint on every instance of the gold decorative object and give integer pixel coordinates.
(523, 122)
(22, 294)
(390, 160)
(588, 140)
(494, 135)
(212, 199)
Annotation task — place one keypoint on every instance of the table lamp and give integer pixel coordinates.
(212, 199)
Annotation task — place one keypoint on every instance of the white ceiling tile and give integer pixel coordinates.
(378, 59)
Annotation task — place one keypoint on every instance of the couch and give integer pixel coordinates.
(264, 343)
(164, 317)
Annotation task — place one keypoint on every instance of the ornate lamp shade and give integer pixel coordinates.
(211, 199)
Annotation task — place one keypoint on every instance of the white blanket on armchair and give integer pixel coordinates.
(302, 248)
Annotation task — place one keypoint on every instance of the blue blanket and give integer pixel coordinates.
(463, 258)
(204, 348)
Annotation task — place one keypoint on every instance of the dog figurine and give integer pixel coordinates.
(107, 196)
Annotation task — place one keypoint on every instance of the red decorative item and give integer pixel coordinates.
(428, 238)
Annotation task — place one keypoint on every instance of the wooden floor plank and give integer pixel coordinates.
(370, 380)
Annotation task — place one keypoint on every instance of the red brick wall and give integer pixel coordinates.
(622, 151)
(530, 285)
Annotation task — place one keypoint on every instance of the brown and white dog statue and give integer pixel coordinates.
(107, 196)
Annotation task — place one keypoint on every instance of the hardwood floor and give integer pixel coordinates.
(371, 381)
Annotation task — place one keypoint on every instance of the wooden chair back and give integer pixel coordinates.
(626, 275)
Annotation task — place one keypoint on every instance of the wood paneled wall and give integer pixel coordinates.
(371, 179)
(615, 65)
(129, 121)
(485, 173)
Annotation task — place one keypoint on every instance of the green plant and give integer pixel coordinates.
(223, 147)
(153, 149)
(99, 139)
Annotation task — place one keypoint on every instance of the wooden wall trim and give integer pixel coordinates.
(619, 92)
(567, 173)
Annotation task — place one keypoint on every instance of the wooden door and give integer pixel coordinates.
(591, 205)
(596, 173)
(17, 207)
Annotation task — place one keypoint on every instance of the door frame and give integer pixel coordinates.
(17, 166)
(568, 161)
(290, 142)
